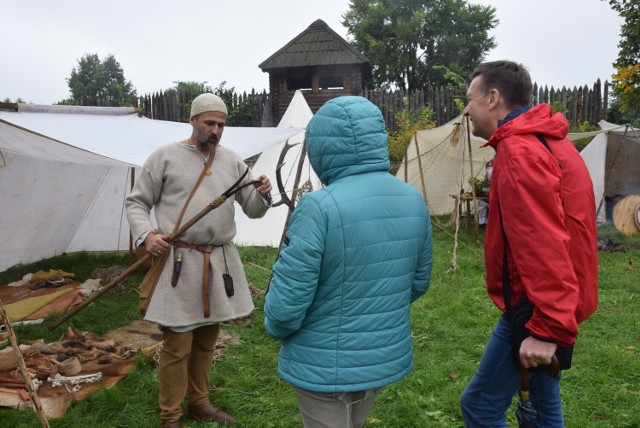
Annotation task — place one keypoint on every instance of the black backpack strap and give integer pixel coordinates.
(544, 143)
(506, 280)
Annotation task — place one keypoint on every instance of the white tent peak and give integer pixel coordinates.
(297, 114)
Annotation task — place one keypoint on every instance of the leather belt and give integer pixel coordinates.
(206, 250)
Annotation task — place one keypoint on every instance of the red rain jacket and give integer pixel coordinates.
(548, 212)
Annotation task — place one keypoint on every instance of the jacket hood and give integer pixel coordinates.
(347, 136)
(539, 119)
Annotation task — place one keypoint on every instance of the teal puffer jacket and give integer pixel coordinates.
(356, 254)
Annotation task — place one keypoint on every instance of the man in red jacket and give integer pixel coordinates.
(542, 222)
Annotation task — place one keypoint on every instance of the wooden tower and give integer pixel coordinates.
(318, 62)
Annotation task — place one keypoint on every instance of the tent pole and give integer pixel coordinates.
(133, 173)
(406, 162)
(422, 185)
(458, 208)
(473, 190)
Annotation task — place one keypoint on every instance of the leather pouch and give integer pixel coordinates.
(228, 284)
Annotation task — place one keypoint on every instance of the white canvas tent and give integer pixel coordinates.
(437, 162)
(267, 231)
(613, 160)
(65, 171)
(51, 193)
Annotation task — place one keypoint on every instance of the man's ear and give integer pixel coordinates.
(494, 98)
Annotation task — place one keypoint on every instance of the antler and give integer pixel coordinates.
(284, 198)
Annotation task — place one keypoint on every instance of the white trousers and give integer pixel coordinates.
(334, 410)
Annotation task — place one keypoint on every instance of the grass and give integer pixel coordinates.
(451, 325)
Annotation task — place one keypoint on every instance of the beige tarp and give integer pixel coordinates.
(438, 163)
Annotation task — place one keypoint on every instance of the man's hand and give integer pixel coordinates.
(156, 244)
(264, 187)
(534, 352)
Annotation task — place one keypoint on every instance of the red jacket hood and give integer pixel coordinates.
(539, 119)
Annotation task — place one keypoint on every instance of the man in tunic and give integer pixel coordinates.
(202, 283)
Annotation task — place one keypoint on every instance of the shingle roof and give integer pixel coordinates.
(317, 45)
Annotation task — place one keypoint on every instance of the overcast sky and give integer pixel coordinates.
(157, 42)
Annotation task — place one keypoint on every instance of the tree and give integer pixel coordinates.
(99, 83)
(184, 93)
(626, 80)
(415, 43)
(409, 122)
(240, 113)
(17, 101)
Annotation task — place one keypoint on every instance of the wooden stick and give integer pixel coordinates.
(473, 190)
(23, 369)
(418, 156)
(258, 266)
(131, 250)
(213, 205)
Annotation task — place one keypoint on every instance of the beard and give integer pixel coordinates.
(205, 141)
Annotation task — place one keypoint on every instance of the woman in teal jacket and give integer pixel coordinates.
(356, 254)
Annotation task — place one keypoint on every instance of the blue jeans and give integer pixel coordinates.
(488, 396)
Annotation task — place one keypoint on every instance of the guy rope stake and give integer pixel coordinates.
(236, 187)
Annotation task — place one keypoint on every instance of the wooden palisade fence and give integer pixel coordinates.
(583, 104)
(580, 104)
(175, 106)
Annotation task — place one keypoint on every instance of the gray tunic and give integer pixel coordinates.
(166, 180)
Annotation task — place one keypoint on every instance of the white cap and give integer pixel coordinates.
(207, 102)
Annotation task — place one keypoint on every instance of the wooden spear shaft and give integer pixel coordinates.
(22, 366)
(212, 205)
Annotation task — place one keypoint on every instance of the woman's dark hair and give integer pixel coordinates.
(511, 79)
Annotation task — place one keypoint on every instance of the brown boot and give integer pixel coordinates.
(171, 424)
(211, 413)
